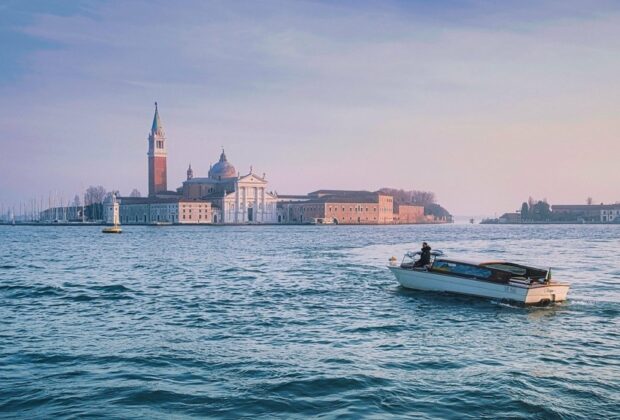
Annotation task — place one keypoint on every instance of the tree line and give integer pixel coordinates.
(419, 198)
(94, 196)
(535, 210)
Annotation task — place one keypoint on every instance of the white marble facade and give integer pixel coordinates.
(249, 203)
(235, 198)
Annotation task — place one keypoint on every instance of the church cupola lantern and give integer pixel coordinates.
(190, 172)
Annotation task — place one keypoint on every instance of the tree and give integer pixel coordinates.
(76, 201)
(110, 194)
(423, 198)
(531, 202)
(93, 198)
(94, 195)
(410, 197)
(437, 211)
(540, 211)
(135, 193)
(525, 210)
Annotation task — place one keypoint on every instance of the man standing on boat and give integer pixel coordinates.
(425, 256)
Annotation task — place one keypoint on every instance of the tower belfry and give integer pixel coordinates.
(157, 156)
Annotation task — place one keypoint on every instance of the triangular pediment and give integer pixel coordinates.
(253, 179)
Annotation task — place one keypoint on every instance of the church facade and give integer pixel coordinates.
(237, 198)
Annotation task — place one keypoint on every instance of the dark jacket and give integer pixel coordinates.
(425, 257)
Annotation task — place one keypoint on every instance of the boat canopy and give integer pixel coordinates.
(517, 270)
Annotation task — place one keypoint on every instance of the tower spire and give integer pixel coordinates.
(157, 126)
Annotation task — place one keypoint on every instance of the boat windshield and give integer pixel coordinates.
(410, 258)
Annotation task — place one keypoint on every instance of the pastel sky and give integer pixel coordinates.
(483, 102)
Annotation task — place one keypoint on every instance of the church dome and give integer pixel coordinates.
(222, 169)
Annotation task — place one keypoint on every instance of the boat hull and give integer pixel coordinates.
(512, 291)
(112, 230)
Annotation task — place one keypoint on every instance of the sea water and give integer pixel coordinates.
(292, 321)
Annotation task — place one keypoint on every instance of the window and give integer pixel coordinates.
(462, 269)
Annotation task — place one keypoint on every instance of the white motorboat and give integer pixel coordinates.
(501, 280)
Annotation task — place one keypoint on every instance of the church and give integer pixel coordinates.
(238, 198)
(223, 197)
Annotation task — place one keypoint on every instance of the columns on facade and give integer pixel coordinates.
(263, 208)
(256, 208)
(237, 201)
(245, 204)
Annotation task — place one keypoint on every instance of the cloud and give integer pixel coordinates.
(314, 93)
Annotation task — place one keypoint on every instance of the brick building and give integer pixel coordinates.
(409, 213)
(150, 210)
(339, 207)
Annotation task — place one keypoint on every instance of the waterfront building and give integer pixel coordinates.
(351, 207)
(510, 218)
(153, 210)
(238, 198)
(589, 213)
(409, 213)
(337, 206)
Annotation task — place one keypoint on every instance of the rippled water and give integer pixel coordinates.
(287, 321)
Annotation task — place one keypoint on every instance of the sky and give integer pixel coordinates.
(484, 103)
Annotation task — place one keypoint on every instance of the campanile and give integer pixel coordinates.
(157, 156)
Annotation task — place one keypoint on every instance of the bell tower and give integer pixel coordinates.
(157, 157)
